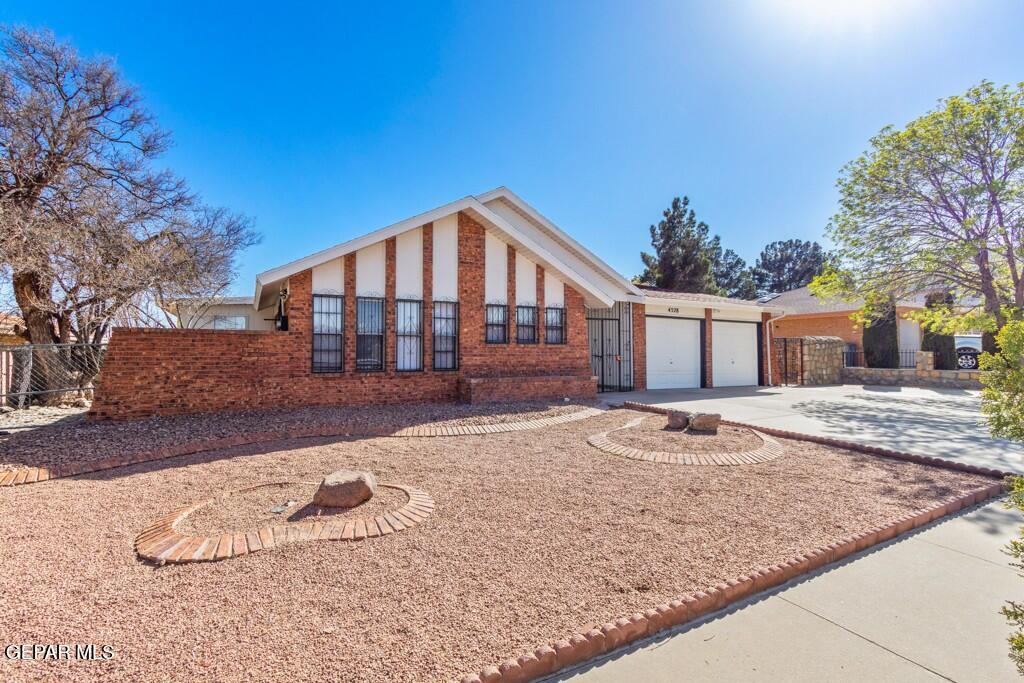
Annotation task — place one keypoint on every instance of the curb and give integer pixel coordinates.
(32, 475)
(581, 647)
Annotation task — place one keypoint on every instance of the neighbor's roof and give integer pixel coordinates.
(801, 301)
(657, 293)
(551, 247)
(8, 322)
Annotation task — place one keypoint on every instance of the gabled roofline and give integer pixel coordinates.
(524, 206)
(470, 204)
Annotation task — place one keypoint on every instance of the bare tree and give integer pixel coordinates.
(87, 225)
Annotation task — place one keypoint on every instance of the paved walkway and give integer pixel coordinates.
(921, 607)
(945, 423)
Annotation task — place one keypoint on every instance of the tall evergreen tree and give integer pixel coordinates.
(787, 265)
(683, 258)
(732, 276)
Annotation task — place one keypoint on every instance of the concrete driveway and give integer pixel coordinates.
(945, 423)
(921, 607)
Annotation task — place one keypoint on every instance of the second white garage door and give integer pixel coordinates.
(673, 353)
(733, 354)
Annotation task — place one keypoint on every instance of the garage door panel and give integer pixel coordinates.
(734, 354)
(673, 353)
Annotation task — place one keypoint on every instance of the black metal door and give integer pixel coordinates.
(605, 353)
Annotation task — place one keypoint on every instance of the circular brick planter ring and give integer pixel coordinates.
(768, 450)
(161, 543)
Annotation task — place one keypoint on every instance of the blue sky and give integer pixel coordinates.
(326, 123)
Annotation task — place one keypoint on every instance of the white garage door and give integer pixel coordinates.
(733, 354)
(673, 353)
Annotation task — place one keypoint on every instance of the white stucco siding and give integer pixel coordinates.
(495, 270)
(554, 290)
(526, 281)
(409, 265)
(329, 278)
(230, 314)
(596, 278)
(370, 270)
(446, 259)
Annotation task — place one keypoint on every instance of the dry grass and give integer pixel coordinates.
(535, 534)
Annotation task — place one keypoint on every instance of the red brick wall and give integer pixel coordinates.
(709, 332)
(766, 345)
(639, 315)
(834, 325)
(160, 372)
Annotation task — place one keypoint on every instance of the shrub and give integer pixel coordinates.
(1002, 398)
(1014, 611)
(881, 347)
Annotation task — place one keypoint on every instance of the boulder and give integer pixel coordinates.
(345, 489)
(705, 422)
(678, 419)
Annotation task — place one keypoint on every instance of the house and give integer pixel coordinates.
(480, 299)
(807, 315)
(11, 329)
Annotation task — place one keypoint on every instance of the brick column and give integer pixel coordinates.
(510, 279)
(709, 375)
(428, 297)
(639, 320)
(471, 293)
(390, 340)
(765, 350)
(350, 312)
(541, 335)
(300, 321)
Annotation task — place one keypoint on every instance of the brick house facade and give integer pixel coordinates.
(382, 296)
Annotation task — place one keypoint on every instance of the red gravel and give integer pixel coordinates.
(76, 440)
(250, 510)
(535, 535)
(651, 435)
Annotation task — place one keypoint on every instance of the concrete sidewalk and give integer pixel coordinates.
(944, 423)
(921, 607)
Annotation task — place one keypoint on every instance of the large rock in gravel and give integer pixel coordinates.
(678, 419)
(705, 422)
(345, 489)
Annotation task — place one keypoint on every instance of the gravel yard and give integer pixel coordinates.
(65, 436)
(535, 535)
(651, 435)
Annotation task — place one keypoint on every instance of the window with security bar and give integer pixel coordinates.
(446, 335)
(496, 324)
(408, 335)
(369, 334)
(526, 324)
(554, 325)
(328, 333)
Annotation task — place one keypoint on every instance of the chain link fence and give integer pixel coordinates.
(46, 374)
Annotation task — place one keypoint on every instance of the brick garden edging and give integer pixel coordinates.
(690, 607)
(161, 543)
(31, 475)
(768, 450)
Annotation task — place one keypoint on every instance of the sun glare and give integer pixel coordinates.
(837, 18)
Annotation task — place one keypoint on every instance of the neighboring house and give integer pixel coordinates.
(808, 315)
(480, 299)
(11, 329)
(222, 313)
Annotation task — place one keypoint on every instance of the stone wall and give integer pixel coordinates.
(807, 361)
(924, 375)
